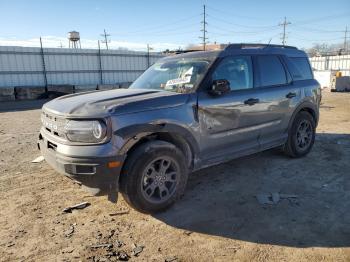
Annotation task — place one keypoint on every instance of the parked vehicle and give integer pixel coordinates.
(186, 112)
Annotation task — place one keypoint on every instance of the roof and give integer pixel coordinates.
(245, 49)
(256, 49)
(195, 54)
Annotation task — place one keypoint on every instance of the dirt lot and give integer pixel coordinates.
(218, 219)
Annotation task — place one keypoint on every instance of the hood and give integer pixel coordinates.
(117, 101)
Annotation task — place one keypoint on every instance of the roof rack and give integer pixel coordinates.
(176, 52)
(252, 45)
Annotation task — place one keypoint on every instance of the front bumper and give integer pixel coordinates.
(94, 173)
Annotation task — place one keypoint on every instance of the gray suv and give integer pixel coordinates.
(186, 112)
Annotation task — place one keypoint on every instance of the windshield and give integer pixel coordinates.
(176, 75)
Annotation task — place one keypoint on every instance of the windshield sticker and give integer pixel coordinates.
(185, 79)
(178, 81)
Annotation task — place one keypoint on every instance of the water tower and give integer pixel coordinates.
(74, 39)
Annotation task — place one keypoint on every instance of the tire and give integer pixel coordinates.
(148, 188)
(300, 142)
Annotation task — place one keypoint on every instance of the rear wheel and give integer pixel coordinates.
(154, 176)
(301, 136)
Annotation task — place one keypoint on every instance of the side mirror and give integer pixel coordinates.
(220, 87)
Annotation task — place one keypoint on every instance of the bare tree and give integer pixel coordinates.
(318, 49)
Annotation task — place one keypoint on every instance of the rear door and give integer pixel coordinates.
(276, 94)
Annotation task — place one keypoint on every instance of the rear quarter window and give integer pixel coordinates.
(300, 68)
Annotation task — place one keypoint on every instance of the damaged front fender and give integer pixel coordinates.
(134, 133)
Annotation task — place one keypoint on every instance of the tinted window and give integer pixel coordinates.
(237, 70)
(300, 68)
(271, 71)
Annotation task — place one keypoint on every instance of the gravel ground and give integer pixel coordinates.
(218, 219)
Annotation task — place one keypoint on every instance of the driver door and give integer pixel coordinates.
(230, 123)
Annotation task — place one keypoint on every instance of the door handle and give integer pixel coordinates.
(291, 95)
(251, 101)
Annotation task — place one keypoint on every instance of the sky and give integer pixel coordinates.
(165, 24)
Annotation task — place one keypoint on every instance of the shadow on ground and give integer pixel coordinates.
(221, 200)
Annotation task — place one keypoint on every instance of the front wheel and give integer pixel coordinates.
(301, 136)
(154, 176)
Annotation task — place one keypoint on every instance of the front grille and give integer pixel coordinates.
(53, 124)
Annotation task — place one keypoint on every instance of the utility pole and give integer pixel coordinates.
(148, 62)
(100, 62)
(204, 23)
(345, 40)
(148, 55)
(43, 64)
(105, 36)
(284, 24)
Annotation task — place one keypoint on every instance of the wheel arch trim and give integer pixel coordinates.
(133, 134)
(305, 106)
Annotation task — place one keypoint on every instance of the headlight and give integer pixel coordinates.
(85, 131)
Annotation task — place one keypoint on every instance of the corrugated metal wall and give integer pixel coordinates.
(23, 66)
(332, 62)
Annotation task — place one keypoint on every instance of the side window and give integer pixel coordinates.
(238, 70)
(300, 68)
(271, 71)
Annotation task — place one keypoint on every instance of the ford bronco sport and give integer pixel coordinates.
(186, 112)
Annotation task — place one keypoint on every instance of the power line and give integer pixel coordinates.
(229, 32)
(163, 26)
(268, 38)
(193, 32)
(230, 13)
(315, 30)
(204, 30)
(324, 18)
(222, 29)
(106, 40)
(284, 24)
(301, 37)
(167, 31)
(240, 25)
